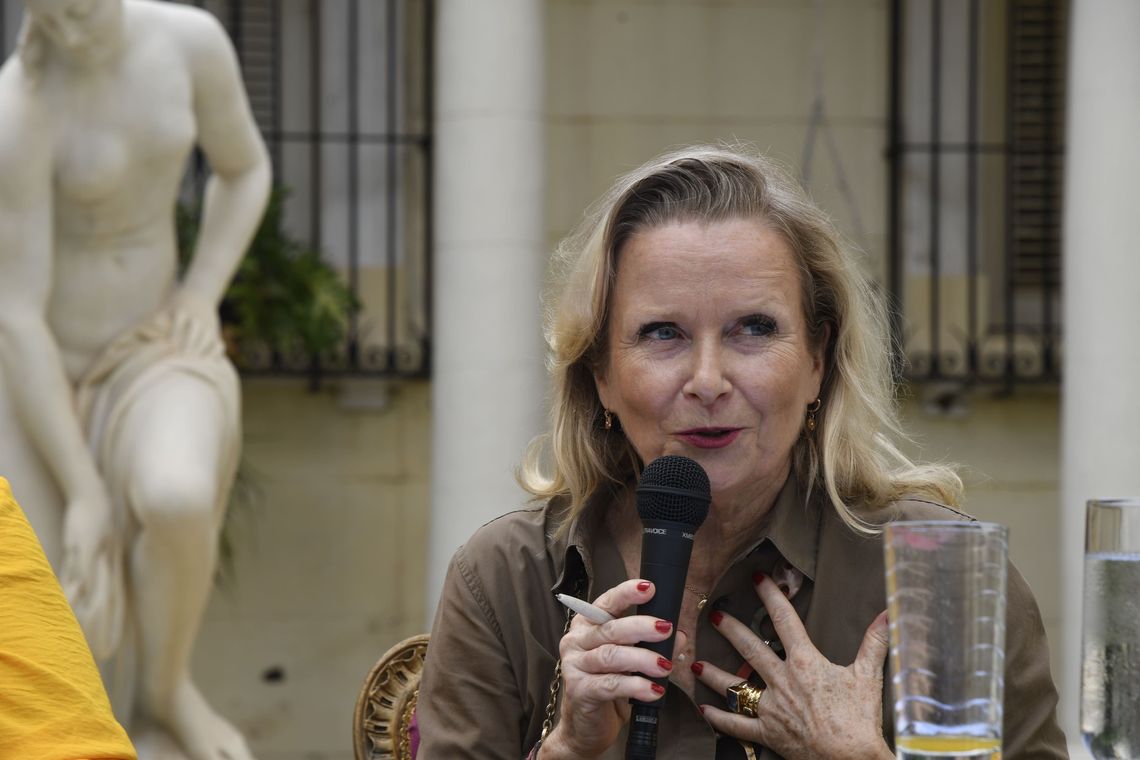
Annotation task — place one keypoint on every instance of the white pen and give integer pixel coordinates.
(585, 609)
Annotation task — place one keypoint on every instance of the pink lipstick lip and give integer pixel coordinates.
(709, 437)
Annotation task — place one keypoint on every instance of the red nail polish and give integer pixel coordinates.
(643, 586)
(657, 688)
(716, 617)
(664, 664)
(697, 668)
(701, 708)
(664, 626)
(757, 577)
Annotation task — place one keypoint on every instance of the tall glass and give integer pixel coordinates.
(1110, 665)
(946, 586)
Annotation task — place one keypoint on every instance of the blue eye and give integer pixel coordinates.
(659, 331)
(758, 325)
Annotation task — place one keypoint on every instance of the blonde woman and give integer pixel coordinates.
(708, 309)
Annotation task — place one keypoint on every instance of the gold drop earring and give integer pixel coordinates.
(813, 407)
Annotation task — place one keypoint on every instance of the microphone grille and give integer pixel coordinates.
(674, 488)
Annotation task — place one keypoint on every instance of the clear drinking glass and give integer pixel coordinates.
(1110, 662)
(946, 586)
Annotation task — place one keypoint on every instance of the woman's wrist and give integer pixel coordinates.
(554, 748)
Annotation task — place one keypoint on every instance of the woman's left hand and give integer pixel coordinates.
(811, 707)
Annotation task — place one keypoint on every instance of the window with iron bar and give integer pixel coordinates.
(976, 154)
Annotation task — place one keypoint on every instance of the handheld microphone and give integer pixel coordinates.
(672, 501)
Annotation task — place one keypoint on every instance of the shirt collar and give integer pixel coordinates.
(571, 548)
(793, 526)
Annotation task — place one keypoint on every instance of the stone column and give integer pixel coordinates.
(1100, 445)
(487, 370)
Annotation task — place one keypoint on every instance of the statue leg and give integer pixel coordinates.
(175, 442)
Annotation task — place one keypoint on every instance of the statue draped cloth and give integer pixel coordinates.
(121, 373)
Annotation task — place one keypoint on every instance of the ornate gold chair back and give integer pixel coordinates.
(387, 702)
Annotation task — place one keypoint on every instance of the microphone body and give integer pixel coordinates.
(673, 501)
(666, 547)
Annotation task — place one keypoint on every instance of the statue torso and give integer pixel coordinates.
(120, 142)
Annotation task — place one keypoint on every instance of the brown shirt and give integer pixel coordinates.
(486, 680)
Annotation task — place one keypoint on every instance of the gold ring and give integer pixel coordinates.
(743, 698)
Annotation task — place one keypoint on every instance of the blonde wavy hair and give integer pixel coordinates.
(851, 456)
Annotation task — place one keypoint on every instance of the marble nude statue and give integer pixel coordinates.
(119, 412)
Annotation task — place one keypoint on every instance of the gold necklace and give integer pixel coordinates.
(703, 597)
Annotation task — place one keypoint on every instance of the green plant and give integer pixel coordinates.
(284, 296)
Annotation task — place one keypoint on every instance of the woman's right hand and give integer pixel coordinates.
(602, 669)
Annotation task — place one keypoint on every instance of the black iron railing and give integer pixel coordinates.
(358, 161)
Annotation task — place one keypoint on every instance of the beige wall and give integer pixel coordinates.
(330, 567)
(630, 78)
(1009, 449)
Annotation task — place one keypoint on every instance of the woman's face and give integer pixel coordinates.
(79, 27)
(709, 354)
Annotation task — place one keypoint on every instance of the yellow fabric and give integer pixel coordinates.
(52, 702)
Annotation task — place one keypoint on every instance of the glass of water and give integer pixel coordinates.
(1110, 662)
(946, 595)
